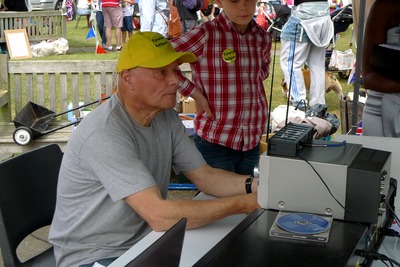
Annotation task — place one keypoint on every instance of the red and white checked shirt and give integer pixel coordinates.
(230, 70)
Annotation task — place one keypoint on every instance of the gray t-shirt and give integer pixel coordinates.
(108, 158)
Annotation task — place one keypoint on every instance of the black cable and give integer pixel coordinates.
(270, 95)
(389, 232)
(376, 256)
(329, 190)
(393, 212)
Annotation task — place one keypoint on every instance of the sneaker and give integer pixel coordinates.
(109, 48)
(118, 48)
(301, 105)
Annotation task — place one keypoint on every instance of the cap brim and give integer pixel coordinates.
(164, 60)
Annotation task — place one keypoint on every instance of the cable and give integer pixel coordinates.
(329, 190)
(376, 256)
(389, 232)
(291, 77)
(393, 212)
(270, 95)
(324, 145)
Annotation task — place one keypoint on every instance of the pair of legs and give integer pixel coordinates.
(100, 26)
(217, 156)
(113, 17)
(293, 57)
(127, 27)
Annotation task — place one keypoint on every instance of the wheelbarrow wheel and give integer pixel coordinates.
(22, 136)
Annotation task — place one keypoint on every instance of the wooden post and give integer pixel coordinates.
(5, 102)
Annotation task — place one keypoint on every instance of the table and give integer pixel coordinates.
(197, 241)
(209, 239)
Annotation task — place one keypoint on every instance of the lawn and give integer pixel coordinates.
(84, 49)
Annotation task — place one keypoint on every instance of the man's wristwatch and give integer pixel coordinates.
(249, 181)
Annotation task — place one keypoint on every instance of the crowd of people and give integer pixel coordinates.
(113, 181)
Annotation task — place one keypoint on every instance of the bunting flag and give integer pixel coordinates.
(91, 33)
(359, 129)
(99, 49)
(351, 75)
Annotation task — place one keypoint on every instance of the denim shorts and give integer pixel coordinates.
(127, 25)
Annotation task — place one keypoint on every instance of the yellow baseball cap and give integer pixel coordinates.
(150, 50)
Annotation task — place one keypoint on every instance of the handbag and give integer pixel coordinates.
(341, 60)
(174, 21)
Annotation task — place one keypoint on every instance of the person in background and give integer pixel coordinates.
(127, 25)
(210, 13)
(381, 115)
(154, 16)
(234, 54)
(304, 39)
(113, 17)
(114, 177)
(83, 9)
(188, 16)
(100, 22)
(335, 4)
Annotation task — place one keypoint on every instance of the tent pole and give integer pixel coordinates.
(356, 84)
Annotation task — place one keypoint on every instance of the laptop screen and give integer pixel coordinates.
(165, 251)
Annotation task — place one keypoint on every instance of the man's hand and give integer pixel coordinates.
(202, 104)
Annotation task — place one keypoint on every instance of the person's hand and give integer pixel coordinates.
(251, 202)
(202, 104)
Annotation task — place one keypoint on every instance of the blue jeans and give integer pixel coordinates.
(104, 262)
(217, 156)
(100, 26)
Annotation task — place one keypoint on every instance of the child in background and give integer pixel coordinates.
(233, 58)
(127, 25)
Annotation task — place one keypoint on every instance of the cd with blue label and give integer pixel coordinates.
(303, 223)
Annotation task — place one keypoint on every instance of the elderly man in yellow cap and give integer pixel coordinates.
(114, 177)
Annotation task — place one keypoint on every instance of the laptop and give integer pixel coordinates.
(165, 251)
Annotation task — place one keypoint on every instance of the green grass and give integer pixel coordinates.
(84, 49)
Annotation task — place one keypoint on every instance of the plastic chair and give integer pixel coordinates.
(28, 191)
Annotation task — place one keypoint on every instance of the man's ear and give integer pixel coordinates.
(126, 76)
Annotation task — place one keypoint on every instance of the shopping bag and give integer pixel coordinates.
(341, 60)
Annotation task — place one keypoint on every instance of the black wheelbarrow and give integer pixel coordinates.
(33, 121)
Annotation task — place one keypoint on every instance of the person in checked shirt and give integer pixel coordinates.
(234, 55)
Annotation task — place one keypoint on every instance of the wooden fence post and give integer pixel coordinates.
(5, 102)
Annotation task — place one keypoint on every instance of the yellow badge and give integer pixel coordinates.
(229, 55)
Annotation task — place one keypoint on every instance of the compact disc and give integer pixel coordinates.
(302, 223)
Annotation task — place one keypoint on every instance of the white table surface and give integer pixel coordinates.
(199, 241)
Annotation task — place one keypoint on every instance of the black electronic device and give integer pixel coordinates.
(289, 139)
(165, 251)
